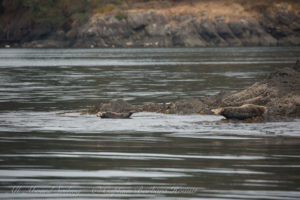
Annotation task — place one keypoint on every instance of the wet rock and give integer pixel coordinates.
(243, 112)
(258, 94)
(45, 44)
(155, 107)
(279, 93)
(184, 106)
(275, 98)
(287, 106)
(118, 106)
(215, 100)
(187, 106)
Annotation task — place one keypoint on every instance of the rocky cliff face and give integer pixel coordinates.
(157, 29)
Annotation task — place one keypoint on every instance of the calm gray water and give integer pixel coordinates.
(44, 155)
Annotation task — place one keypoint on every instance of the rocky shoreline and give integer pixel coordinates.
(275, 98)
(156, 29)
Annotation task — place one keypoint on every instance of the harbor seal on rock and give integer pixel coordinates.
(245, 111)
(114, 115)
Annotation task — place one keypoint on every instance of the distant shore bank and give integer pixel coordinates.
(183, 24)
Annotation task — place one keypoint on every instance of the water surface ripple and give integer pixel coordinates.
(46, 155)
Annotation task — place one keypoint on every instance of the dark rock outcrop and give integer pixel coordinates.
(283, 25)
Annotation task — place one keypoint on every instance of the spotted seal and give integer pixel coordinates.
(245, 111)
(114, 115)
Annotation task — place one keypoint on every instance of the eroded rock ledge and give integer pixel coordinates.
(275, 98)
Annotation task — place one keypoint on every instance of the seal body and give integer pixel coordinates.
(245, 111)
(114, 115)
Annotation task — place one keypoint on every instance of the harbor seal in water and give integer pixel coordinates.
(245, 111)
(114, 115)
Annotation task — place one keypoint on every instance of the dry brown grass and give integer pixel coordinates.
(230, 9)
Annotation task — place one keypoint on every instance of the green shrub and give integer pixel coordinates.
(121, 16)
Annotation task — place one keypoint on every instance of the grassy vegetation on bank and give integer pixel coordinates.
(54, 14)
(44, 17)
(62, 12)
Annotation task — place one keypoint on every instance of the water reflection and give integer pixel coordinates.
(151, 156)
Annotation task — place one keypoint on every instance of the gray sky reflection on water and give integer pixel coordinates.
(151, 156)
